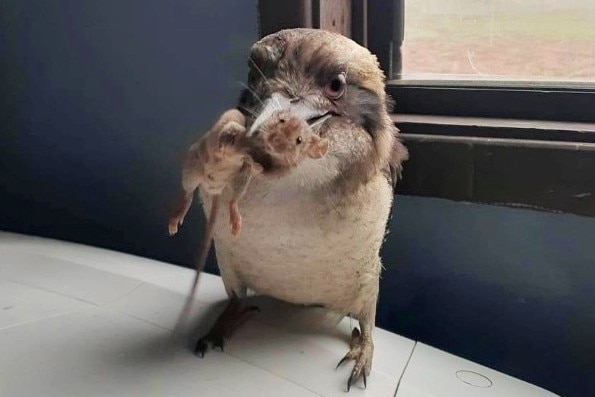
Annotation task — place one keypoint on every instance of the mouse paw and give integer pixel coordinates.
(235, 220)
(229, 133)
(236, 226)
(173, 226)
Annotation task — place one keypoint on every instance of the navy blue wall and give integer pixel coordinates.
(98, 101)
(511, 289)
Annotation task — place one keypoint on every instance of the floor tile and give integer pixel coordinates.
(67, 278)
(21, 304)
(102, 353)
(303, 345)
(434, 373)
(162, 307)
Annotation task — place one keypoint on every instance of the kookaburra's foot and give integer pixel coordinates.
(213, 338)
(361, 351)
(231, 318)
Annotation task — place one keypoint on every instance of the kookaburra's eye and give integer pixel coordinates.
(335, 88)
(298, 140)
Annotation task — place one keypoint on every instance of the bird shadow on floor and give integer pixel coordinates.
(160, 348)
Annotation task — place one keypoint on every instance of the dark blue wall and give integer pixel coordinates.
(98, 101)
(511, 289)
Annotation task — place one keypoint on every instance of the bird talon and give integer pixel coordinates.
(342, 361)
(201, 348)
(361, 352)
(227, 321)
(219, 342)
(355, 374)
(353, 377)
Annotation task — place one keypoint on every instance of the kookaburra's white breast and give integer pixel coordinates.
(313, 236)
(304, 244)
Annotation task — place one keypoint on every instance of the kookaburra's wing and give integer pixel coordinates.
(398, 156)
(315, 73)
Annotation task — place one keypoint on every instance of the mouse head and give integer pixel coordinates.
(290, 140)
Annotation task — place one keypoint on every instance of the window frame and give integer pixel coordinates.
(551, 101)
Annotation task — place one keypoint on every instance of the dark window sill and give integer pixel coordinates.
(477, 99)
(542, 165)
(497, 128)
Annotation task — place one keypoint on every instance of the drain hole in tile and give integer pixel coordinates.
(474, 379)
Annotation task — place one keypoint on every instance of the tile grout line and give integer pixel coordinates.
(125, 294)
(48, 318)
(405, 368)
(140, 319)
(320, 346)
(227, 354)
(76, 298)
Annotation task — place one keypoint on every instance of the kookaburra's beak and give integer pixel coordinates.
(296, 107)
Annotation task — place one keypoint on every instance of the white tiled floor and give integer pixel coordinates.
(81, 321)
(65, 278)
(426, 373)
(20, 304)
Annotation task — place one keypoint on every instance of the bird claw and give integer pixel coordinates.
(342, 361)
(215, 339)
(354, 376)
(201, 348)
(356, 373)
(229, 320)
(220, 343)
(361, 352)
(349, 381)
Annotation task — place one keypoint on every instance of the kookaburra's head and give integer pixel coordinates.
(336, 86)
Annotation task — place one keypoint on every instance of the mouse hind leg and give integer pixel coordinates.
(235, 218)
(177, 219)
(239, 185)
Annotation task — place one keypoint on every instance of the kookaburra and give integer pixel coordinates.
(312, 236)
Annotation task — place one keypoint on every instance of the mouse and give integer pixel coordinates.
(217, 160)
(289, 140)
(222, 159)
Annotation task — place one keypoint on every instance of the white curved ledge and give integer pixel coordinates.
(83, 321)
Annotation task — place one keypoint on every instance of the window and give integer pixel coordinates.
(462, 57)
(501, 40)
